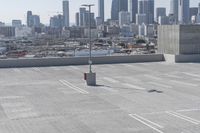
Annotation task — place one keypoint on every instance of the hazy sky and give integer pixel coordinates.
(16, 9)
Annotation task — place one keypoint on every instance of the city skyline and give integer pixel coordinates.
(55, 7)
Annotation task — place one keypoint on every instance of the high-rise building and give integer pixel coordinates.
(160, 11)
(81, 16)
(184, 11)
(101, 9)
(147, 7)
(141, 19)
(56, 21)
(29, 19)
(193, 12)
(115, 10)
(36, 20)
(87, 18)
(123, 5)
(16, 23)
(174, 10)
(124, 18)
(198, 15)
(66, 12)
(77, 18)
(133, 9)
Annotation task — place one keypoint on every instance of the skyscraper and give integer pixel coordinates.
(101, 9)
(77, 18)
(174, 9)
(123, 5)
(29, 19)
(160, 12)
(81, 16)
(66, 12)
(133, 9)
(115, 10)
(124, 18)
(184, 11)
(147, 7)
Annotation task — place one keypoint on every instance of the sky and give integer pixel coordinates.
(16, 9)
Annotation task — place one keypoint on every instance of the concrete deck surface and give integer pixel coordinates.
(129, 98)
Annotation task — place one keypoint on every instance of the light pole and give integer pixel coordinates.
(90, 45)
(90, 77)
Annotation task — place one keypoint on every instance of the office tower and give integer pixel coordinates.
(124, 18)
(36, 20)
(147, 7)
(141, 19)
(123, 5)
(66, 13)
(87, 19)
(133, 9)
(29, 19)
(193, 12)
(81, 16)
(174, 10)
(163, 20)
(57, 21)
(160, 11)
(16, 23)
(184, 11)
(101, 9)
(77, 19)
(198, 15)
(115, 10)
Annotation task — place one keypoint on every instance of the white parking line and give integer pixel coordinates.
(36, 69)
(66, 83)
(74, 67)
(188, 110)
(160, 85)
(145, 123)
(153, 77)
(184, 83)
(173, 76)
(186, 118)
(16, 70)
(134, 86)
(110, 80)
(191, 74)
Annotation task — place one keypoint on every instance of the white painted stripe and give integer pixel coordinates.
(11, 97)
(191, 74)
(173, 76)
(153, 77)
(74, 67)
(18, 110)
(134, 86)
(187, 117)
(181, 117)
(143, 122)
(160, 85)
(109, 89)
(184, 83)
(153, 123)
(16, 70)
(36, 69)
(110, 80)
(66, 83)
(188, 110)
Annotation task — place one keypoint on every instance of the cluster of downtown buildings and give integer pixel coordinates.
(128, 18)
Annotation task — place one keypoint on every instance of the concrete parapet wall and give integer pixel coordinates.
(9, 63)
(187, 58)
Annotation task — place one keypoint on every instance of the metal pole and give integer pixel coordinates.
(90, 58)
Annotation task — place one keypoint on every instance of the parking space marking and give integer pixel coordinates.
(146, 122)
(183, 117)
(160, 85)
(188, 110)
(36, 69)
(152, 77)
(173, 76)
(184, 83)
(110, 80)
(134, 86)
(74, 67)
(68, 84)
(16, 70)
(191, 74)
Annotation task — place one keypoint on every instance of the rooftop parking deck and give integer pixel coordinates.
(130, 98)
